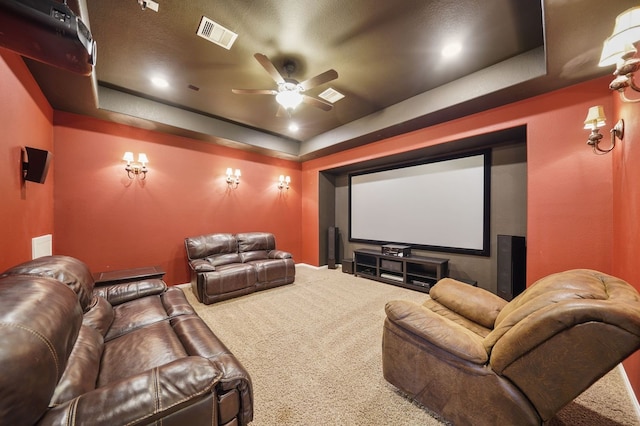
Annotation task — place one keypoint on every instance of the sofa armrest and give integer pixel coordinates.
(473, 303)
(124, 292)
(143, 398)
(279, 254)
(201, 265)
(437, 330)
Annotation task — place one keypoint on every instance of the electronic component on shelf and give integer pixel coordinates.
(396, 250)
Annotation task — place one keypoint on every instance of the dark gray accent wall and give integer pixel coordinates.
(508, 214)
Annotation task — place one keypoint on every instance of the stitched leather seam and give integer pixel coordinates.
(41, 337)
(186, 398)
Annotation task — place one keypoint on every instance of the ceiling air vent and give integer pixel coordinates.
(331, 95)
(216, 33)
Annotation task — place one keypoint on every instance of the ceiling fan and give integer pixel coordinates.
(290, 93)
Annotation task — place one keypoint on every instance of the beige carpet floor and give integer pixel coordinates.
(313, 350)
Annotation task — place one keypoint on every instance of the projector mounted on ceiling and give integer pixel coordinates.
(47, 31)
(144, 4)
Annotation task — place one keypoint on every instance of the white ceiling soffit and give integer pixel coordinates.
(216, 33)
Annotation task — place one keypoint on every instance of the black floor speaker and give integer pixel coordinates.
(512, 266)
(332, 247)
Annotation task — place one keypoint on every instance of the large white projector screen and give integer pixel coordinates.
(437, 205)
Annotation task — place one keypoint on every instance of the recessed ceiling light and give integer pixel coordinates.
(293, 127)
(159, 82)
(451, 49)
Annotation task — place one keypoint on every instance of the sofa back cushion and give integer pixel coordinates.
(68, 270)
(255, 245)
(40, 319)
(557, 294)
(218, 249)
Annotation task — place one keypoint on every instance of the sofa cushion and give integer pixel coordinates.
(82, 369)
(136, 314)
(40, 319)
(139, 350)
(68, 270)
(209, 245)
(99, 315)
(256, 241)
(229, 278)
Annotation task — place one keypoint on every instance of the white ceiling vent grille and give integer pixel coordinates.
(216, 33)
(331, 95)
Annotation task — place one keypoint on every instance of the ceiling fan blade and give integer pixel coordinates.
(319, 79)
(254, 91)
(271, 69)
(282, 112)
(317, 103)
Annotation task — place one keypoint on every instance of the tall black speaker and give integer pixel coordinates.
(512, 266)
(332, 247)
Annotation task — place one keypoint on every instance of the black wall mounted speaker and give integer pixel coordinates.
(512, 266)
(35, 164)
(332, 247)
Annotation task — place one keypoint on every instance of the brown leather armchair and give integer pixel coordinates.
(472, 358)
(134, 353)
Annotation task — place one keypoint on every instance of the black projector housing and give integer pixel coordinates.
(47, 31)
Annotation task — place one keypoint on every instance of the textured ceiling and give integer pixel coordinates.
(387, 56)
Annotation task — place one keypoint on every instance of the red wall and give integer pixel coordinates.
(626, 210)
(26, 209)
(112, 222)
(569, 188)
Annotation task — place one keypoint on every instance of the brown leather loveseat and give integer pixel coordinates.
(224, 266)
(474, 359)
(127, 354)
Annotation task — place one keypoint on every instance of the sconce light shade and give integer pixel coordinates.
(233, 178)
(594, 121)
(283, 182)
(595, 118)
(619, 49)
(625, 33)
(135, 169)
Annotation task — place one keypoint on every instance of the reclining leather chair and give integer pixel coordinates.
(472, 358)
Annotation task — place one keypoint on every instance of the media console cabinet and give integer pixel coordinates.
(414, 272)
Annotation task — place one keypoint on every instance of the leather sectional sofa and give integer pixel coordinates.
(224, 266)
(474, 359)
(133, 353)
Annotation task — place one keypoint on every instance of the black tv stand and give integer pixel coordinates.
(414, 272)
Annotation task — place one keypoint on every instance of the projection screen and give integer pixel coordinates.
(440, 205)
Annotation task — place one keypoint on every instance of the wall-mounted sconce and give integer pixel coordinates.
(136, 168)
(619, 49)
(233, 178)
(594, 121)
(283, 182)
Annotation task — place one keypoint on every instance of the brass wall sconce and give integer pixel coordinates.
(233, 178)
(594, 121)
(619, 49)
(283, 182)
(136, 168)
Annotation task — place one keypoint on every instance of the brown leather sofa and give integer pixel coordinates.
(224, 266)
(127, 354)
(474, 359)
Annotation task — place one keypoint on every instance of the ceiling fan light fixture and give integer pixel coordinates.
(289, 99)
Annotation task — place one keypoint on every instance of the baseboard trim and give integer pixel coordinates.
(630, 391)
(306, 265)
